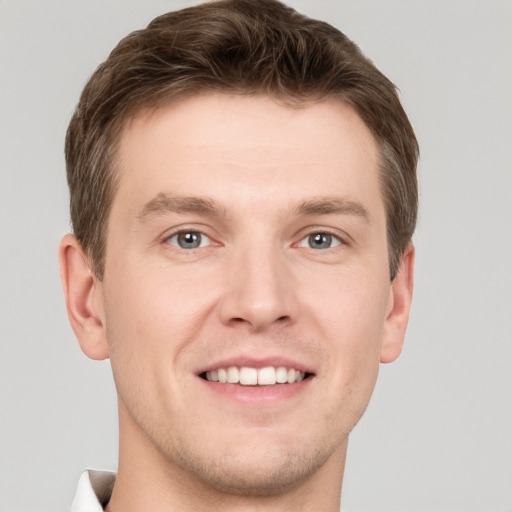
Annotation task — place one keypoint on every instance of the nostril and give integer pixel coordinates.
(283, 319)
(258, 319)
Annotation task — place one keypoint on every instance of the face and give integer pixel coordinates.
(246, 299)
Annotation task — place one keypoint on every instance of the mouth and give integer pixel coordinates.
(249, 376)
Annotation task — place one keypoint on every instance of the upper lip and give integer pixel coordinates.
(256, 362)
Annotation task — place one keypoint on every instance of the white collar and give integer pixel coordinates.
(93, 491)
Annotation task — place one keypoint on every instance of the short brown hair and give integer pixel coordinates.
(239, 47)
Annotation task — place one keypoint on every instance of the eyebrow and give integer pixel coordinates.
(164, 203)
(333, 206)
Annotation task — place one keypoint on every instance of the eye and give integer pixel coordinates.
(189, 240)
(320, 241)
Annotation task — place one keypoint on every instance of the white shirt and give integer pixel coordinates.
(93, 491)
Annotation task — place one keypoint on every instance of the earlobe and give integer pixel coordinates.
(83, 295)
(399, 307)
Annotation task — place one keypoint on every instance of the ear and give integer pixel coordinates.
(84, 298)
(399, 305)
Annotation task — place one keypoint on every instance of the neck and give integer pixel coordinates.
(148, 480)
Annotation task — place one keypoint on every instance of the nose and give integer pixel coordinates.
(260, 291)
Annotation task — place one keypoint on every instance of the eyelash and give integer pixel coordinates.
(307, 239)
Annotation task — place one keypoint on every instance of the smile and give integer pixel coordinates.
(246, 376)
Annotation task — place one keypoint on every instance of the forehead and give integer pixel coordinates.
(216, 144)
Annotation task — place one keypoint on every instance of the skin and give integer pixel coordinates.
(254, 291)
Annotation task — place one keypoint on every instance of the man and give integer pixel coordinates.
(243, 196)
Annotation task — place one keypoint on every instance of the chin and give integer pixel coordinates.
(258, 478)
(257, 471)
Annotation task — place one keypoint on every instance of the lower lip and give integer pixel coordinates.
(258, 394)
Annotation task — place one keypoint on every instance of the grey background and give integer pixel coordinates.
(438, 433)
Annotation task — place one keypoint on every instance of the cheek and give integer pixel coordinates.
(154, 302)
(152, 315)
(351, 307)
(148, 325)
(350, 314)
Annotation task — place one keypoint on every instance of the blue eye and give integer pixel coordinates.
(320, 241)
(189, 240)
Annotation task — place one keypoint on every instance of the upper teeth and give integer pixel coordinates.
(255, 376)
